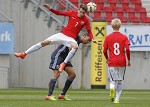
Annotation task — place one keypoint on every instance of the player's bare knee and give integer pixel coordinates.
(74, 75)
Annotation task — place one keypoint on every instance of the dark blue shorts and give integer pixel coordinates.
(55, 63)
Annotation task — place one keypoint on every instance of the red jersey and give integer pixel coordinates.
(116, 43)
(75, 24)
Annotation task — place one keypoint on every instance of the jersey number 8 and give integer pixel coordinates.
(116, 49)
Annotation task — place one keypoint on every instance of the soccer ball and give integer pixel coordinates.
(91, 7)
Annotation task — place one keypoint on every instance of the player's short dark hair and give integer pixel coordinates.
(83, 6)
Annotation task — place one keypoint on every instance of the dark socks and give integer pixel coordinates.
(51, 86)
(67, 85)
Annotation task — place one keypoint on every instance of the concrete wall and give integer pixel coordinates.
(33, 71)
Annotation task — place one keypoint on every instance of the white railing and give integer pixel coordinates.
(7, 18)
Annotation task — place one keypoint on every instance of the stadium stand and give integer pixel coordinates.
(129, 11)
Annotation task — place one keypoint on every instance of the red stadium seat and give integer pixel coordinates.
(125, 3)
(137, 3)
(97, 16)
(145, 19)
(100, 6)
(123, 19)
(131, 11)
(112, 3)
(142, 12)
(109, 19)
(134, 19)
(86, 1)
(108, 11)
(119, 11)
(76, 4)
(73, 0)
(99, 1)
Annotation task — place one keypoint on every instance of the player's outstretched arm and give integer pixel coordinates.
(67, 13)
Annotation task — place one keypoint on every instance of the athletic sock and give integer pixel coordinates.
(70, 55)
(118, 90)
(112, 84)
(67, 85)
(34, 48)
(51, 86)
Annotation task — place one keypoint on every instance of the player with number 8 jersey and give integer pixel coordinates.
(116, 42)
(115, 45)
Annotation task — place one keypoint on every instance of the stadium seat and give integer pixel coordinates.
(134, 19)
(131, 11)
(119, 11)
(137, 3)
(86, 1)
(125, 3)
(108, 11)
(123, 19)
(100, 6)
(109, 19)
(76, 4)
(97, 16)
(99, 1)
(142, 12)
(112, 3)
(145, 19)
(73, 0)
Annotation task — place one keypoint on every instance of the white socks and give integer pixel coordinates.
(34, 48)
(70, 55)
(118, 89)
(112, 85)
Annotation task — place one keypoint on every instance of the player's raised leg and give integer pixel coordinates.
(33, 48)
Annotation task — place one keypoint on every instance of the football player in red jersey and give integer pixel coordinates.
(116, 45)
(77, 20)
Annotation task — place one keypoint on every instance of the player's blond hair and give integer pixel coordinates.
(116, 23)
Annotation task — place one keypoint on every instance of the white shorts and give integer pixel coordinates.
(117, 73)
(60, 38)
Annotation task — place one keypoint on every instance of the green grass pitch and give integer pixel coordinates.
(80, 98)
